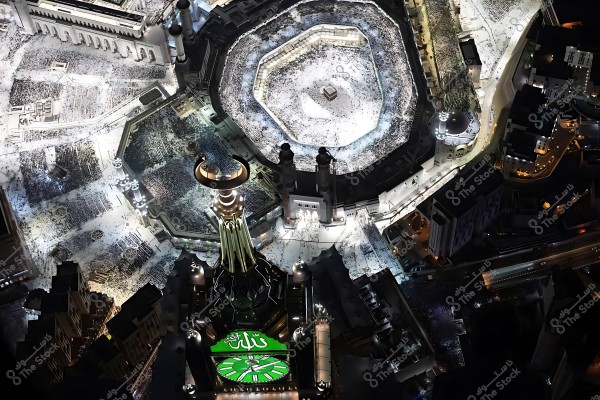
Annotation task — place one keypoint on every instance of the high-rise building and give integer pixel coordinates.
(566, 352)
(135, 328)
(70, 317)
(528, 132)
(121, 358)
(244, 326)
(464, 208)
(16, 266)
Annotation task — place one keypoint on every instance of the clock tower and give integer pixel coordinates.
(253, 326)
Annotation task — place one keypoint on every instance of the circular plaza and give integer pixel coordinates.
(322, 73)
(322, 78)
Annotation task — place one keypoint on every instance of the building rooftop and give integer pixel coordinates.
(122, 14)
(55, 303)
(136, 308)
(527, 110)
(37, 329)
(521, 144)
(67, 278)
(34, 299)
(333, 288)
(100, 353)
(549, 58)
(393, 232)
(169, 369)
(469, 52)
(481, 180)
(177, 290)
(582, 11)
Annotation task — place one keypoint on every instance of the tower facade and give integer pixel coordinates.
(288, 179)
(323, 169)
(237, 251)
(236, 243)
(442, 125)
(249, 321)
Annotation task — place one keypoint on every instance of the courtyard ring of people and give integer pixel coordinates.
(360, 106)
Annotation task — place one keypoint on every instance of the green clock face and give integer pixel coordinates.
(253, 369)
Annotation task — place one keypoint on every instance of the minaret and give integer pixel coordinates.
(441, 150)
(176, 31)
(122, 177)
(139, 200)
(237, 251)
(441, 132)
(288, 179)
(323, 170)
(322, 340)
(185, 16)
(182, 64)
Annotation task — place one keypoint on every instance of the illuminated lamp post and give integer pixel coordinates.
(139, 201)
(122, 177)
(441, 131)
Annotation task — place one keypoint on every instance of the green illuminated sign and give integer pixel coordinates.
(248, 342)
(253, 369)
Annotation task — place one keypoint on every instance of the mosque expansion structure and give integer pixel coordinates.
(331, 74)
(299, 199)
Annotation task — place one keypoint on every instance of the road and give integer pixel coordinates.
(512, 269)
(509, 276)
(399, 201)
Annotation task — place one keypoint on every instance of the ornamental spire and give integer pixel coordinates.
(237, 251)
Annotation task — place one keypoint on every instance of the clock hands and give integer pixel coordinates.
(252, 368)
(241, 377)
(255, 369)
(267, 365)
